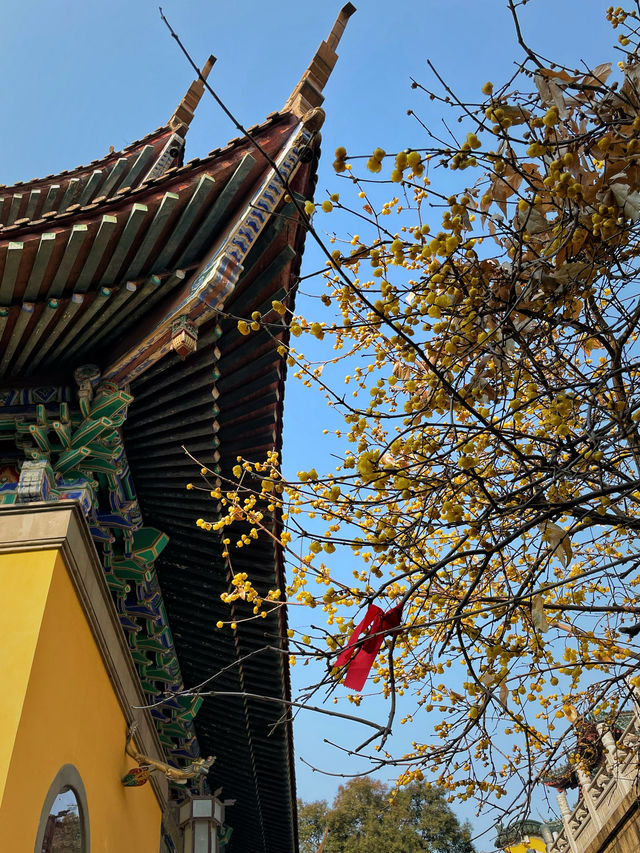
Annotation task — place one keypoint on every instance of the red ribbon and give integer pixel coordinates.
(377, 624)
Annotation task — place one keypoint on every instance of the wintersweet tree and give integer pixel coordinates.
(488, 490)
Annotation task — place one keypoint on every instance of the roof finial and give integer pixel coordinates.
(182, 117)
(308, 92)
(341, 22)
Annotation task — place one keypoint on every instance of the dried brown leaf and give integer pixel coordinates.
(537, 614)
(551, 94)
(598, 75)
(550, 73)
(629, 201)
(401, 370)
(533, 221)
(559, 540)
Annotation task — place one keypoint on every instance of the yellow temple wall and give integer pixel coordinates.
(60, 707)
(532, 844)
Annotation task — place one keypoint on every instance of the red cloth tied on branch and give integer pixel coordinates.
(358, 657)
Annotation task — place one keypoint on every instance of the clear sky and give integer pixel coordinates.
(79, 76)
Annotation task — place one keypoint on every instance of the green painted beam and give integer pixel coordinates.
(46, 316)
(16, 201)
(69, 194)
(69, 312)
(97, 304)
(194, 207)
(99, 451)
(134, 305)
(98, 246)
(4, 316)
(71, 459)
(76, 239)
(122, 248)
(128, 570)
(110, 404)
(89, 429)
(91, 187)
(25, 314)
(45, 247)
(140, 166)
(218, 213)
(97, 466)
(8, 424)
(39, 435)
(97, 334)
(41, 415)
(114, 177)
(32, 204)
(12, 260)
(50, 200)
(63, 432)
(163, 289)
(154, 231)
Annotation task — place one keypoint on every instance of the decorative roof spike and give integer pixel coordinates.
(182, 117)
(308, 92)
(339, 27)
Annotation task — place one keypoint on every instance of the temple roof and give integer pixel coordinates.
(103, 265)
(113, 263)
(173, 406)
(73, 284)
(44, 199)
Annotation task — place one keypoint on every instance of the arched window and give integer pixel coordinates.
(64, 820)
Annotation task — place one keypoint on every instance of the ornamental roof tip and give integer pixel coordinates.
(308, 93)
(516, 831)
(111, 156)
(158, 154)
(184, 112)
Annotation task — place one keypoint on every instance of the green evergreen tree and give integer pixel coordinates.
(365, 818)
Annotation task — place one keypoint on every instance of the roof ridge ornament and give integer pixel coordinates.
(172, 153)
(184, 112)
(308, 93)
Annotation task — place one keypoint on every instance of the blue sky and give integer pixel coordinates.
(80, 76)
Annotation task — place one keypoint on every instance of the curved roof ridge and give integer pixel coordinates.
(112, 155)
(136, 163)
(102, 203)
